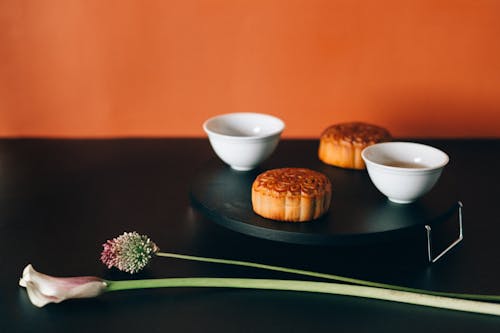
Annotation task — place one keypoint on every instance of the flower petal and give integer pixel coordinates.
(43, 289)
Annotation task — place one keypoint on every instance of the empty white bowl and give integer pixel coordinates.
(404, 171)
(244, 140)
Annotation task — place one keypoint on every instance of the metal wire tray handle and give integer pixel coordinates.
(452, 245)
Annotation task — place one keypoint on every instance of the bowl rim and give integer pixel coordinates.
(278, 131)
(403, 169)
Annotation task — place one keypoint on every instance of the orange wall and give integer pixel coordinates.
(100, 68)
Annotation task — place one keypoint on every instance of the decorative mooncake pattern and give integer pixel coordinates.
(341, 144)
(291, 194)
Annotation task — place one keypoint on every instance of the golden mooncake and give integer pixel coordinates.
(291, 194)
(341, 144)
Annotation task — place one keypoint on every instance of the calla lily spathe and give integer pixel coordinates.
(44, 289)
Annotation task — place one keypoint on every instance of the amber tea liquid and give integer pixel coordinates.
(410, 165)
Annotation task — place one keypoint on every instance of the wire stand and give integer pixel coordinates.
(449, 247)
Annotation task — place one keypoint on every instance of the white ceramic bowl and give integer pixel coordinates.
(244, 140)
(404, 171)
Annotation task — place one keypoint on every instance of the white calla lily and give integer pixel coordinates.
(44, 289)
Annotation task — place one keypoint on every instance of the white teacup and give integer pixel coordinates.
(404, 171)
(244, 140)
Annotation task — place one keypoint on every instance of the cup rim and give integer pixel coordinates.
(438, 166)
(272, 133)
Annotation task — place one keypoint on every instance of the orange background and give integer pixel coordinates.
(97, 68)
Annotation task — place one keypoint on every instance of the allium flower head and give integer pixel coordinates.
(129, 252)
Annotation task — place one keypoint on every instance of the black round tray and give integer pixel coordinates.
(358, 214)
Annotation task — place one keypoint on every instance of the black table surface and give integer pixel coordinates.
(61, 199)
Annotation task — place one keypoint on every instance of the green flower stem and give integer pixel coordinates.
(316, 287)
(331, 277)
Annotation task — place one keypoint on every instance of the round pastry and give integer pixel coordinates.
(341, 144)
(291, 194)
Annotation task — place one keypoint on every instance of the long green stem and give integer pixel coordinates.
(317, 287)
(331, 277)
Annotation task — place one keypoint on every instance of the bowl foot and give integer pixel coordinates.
(400, 201)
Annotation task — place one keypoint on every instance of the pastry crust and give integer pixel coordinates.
(341, 144)
(291, 194)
